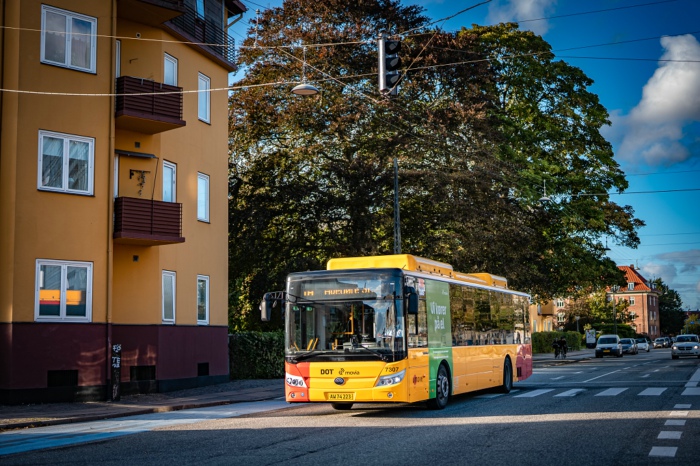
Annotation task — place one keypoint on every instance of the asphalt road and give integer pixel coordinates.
(639, 409)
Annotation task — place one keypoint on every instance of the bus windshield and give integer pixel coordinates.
(353, 316)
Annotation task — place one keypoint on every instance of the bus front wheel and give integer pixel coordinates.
(507, 385)
(442, 389)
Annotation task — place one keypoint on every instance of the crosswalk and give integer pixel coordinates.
(608, 392)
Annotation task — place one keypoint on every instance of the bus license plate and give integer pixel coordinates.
(341, 396)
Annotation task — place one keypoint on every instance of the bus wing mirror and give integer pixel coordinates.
(411, 300)
(266, 307)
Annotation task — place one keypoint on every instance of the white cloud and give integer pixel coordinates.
(655, 270)
(652, 133)
(502, 11)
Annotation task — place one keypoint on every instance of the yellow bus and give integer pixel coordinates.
(399, 328)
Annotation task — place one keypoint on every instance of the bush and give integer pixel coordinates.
(542, 341)
(256, 355)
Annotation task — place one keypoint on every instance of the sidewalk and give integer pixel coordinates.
(236, 391)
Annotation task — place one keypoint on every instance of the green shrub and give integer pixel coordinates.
(542, 341)
(256, 355)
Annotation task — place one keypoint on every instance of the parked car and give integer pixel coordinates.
(608, 345)
(660, 343)
(629, 345)
(642, 344)
(686, 345)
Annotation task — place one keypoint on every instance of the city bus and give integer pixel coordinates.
(399, 328)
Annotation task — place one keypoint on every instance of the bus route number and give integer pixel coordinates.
(391, 370)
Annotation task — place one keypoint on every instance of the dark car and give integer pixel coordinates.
(608, 345)
(629, 346)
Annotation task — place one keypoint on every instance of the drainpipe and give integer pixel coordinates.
(110, 208)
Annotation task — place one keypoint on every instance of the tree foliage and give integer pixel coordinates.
(483, 118)
(671, 316)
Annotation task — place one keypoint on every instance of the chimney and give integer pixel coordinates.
(632, 266)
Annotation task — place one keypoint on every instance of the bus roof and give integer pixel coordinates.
(417, 264)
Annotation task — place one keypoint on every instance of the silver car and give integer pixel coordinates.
(686, 345)
(642, 344)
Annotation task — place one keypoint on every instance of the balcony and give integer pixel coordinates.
(206, 35)
(147, 106)
(145, 222)
(150, 12)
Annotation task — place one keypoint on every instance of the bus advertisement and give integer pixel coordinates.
(399, 328)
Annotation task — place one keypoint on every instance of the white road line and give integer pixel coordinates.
(675, 422)
(572, 392)
(534, 393)
(695, 377)
(669, 435)
(557, 378)
(645, 376)
(668, 452)
(684, 406)
(691, 391)
(611, 392)
(656, 391)
(678, 414)
(594, 378)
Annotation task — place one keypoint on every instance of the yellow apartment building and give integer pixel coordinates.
(113, 196)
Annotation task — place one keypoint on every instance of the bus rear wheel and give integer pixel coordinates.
(442, 389)
(507, 385)
(341, 406)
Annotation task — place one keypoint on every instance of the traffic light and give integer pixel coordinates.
(389, 63)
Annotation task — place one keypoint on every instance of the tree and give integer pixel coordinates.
(671, 316)
(595, 310)
(311, 178)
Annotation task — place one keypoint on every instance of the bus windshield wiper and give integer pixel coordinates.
(307, 355)
(383, 357)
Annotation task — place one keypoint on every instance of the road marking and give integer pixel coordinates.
(611, 392)
(675, 422)
(656, 391)
(600, 376)
(691, 391)
(557, 378)
(534, 393)
(678, 414)
(572, 392)
(669, 435)
(669, 452)
(682, 406)
(645, 376)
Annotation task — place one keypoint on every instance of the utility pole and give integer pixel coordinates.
(397, 217)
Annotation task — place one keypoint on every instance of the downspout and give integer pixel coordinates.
(110, 206)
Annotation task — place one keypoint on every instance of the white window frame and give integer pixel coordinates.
(173, 181)
(67, 139)
(62, 317)
(204, 98)
(118, 59)
(631, 300)
(167, 58)
(204, 279)
(68, 39)
(202, 198)
(630, 286)
(170, 275)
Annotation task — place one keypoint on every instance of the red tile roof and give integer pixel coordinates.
(632, 275)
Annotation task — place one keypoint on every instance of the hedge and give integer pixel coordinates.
(256, 355)
(542, 341)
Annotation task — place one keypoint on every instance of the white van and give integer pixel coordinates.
(608, 345)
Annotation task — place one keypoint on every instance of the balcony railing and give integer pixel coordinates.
(150, 12)
(147, 106)
(205, 34)
(147, 222)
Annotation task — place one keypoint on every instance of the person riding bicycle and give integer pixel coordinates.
(555, 345)
(563, 346)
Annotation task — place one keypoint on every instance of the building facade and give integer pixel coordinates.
(643, 301)
(113, 196)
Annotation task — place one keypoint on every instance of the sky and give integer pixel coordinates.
(644, 59)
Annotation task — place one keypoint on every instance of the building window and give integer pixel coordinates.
(68, 39)
(534, 326)
(168, 296)
(203, 109)
(560, 302)
(561, 317)
(170, 71)
(66, 163)
(630, 286)
(631, 300)
(202, 299)
(200, 8)
(63, 291)
(169, 181)
(118, 58)
(202, 197)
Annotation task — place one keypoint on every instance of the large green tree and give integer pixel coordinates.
(482, 119)
(671, 316)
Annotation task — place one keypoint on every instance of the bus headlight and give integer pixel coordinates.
(392, 379)
(294, 380)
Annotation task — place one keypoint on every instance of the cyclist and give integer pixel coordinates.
(562, 346)
(555, 345)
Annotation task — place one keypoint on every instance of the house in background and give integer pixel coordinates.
(113, 196)
(643, 301)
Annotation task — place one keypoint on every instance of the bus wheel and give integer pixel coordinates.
(442, 389)
(341, 406)
(507, 385)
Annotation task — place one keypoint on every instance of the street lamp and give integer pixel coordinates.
(304, 88)
(614, 289)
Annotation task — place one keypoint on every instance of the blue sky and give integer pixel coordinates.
(644, 59)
